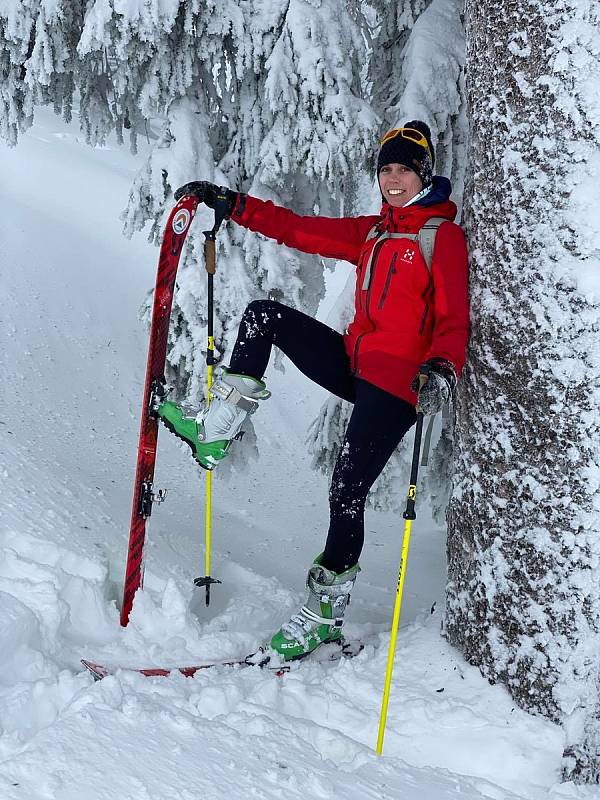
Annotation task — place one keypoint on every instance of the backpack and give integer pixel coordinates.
(425, 237)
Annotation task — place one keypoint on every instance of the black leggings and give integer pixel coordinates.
(378, 421)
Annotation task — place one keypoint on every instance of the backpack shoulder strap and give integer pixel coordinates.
(374, 233)
(427, 238)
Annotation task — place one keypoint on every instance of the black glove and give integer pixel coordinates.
(209, 194)
(439, 386)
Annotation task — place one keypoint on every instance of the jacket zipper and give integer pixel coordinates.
(424, 319)
(391, 271)
(377, 247)
(425, 296)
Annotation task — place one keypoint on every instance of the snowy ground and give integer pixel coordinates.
(72, 363)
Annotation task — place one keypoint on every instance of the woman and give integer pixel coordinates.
(407, 313)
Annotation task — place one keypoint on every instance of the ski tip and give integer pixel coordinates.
(96, 670)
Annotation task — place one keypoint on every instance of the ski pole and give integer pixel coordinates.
(409, 515)
(210, 263)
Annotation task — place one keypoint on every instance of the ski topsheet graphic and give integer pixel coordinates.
(325, 653)
(144, 493)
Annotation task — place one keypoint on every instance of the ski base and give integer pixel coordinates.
(326, 653)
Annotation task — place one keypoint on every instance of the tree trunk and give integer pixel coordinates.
(523, 595)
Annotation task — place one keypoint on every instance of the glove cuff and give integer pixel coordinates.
(230, 199)
(445, 369)
(238, 206)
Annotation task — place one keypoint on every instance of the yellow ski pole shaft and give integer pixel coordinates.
(395, 625)
(208, 513)
(409, 515)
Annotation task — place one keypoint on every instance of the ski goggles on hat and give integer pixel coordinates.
(411, 134)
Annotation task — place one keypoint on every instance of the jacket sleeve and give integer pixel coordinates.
(328, 237)
(450, 274)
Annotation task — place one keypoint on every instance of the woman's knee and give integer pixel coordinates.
(264, 307)
(259, 315)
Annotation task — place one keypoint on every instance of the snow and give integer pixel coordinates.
(72, 365)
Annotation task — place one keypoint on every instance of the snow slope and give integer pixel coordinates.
(72, 362)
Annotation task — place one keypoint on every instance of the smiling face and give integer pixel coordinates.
(399, 184)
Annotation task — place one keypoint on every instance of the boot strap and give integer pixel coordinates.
(229, 394)
(333, 623)
(337, 590)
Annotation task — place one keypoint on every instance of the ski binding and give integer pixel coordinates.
(148, 497)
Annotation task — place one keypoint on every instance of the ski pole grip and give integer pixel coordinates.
(424, 372)
(210, 256)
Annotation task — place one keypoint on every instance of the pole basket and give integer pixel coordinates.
(206, 582)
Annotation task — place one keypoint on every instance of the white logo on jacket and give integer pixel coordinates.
(408, 255)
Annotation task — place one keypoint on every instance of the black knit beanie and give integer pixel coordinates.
(401, 149)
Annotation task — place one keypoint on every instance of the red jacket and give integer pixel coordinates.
(404, 314)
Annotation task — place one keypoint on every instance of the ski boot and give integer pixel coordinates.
(209, 435)
(320, 620)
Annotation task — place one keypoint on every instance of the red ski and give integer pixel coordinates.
(144, 495)
(100, 671)
(325, 653)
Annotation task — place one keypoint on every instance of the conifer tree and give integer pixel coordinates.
(523, 599)
(261, 96)
(38, 60)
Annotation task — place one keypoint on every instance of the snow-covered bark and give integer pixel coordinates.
(523, 598)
